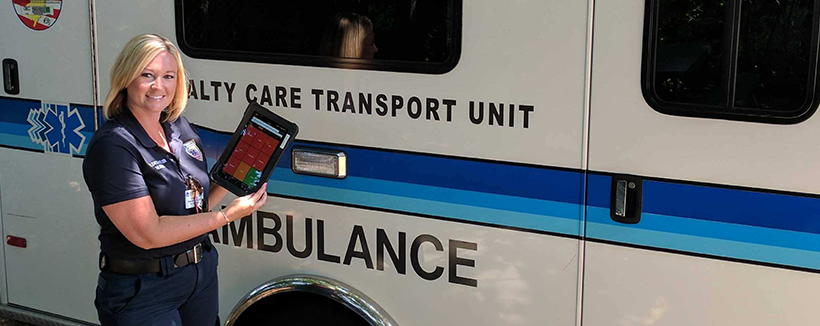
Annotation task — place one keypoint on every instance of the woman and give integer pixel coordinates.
(350, 35)
(152, 197)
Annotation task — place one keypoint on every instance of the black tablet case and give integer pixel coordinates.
(237, 140)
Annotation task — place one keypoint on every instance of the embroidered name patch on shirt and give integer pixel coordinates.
(158, 164)
(193, 150)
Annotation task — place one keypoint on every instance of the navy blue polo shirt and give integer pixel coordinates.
(122, 162)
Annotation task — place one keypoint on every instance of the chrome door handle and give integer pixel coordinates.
(627, 195)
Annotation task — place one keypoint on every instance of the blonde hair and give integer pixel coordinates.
(131, 61)
(345, 35)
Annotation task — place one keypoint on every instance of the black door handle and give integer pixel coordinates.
(626, 197)
(11, 80)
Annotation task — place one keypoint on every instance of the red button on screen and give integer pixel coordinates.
(241, 149)
(259, 142)
(231, 166)
(247, 137)
(250, 158)
(260, 163)
(269, 148)
(253, 131)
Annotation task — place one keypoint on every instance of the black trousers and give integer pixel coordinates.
(186, 296)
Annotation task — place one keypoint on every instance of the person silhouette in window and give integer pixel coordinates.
(349, 35)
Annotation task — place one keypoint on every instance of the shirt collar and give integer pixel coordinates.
(131, 123)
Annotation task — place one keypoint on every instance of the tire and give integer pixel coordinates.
(299, 309)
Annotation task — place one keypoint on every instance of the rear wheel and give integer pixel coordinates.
(307, 300)
(299, 309)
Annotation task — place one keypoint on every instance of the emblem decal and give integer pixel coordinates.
(38, 14)
(193, 150)
(57, 127)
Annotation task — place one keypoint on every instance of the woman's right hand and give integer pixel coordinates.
(245, 205)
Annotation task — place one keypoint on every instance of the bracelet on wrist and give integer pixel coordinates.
(225, 216)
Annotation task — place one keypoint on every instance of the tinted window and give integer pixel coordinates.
(415, 35)
(746, 60)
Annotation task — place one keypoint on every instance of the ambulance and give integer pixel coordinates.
(552, 162)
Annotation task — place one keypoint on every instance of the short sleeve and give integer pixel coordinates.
(111, 170)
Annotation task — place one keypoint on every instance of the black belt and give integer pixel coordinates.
(120, 266)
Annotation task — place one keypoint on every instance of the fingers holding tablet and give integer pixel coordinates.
(260, 196)
(245, 205)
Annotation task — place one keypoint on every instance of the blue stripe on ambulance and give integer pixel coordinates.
(725, 222)
(746, 225)
(15, 125)
(521, 197)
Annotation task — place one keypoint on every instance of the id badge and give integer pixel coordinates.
(190, 200)
(200, 200)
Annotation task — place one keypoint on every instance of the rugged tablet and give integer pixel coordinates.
(252, 153)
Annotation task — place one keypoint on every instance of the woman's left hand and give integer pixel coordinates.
(245, 205)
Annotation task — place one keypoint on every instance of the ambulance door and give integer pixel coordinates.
(702, 194)
(470, 162)
(47, 119)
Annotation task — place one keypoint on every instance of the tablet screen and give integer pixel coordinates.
(260, 139)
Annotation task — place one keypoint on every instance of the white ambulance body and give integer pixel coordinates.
(537, 175)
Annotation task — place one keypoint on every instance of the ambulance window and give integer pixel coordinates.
(422, 36)
(732, 59)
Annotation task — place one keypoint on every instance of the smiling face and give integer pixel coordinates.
(154, 88)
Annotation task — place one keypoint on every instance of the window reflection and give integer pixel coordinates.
(407, 30)
(733, 56)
